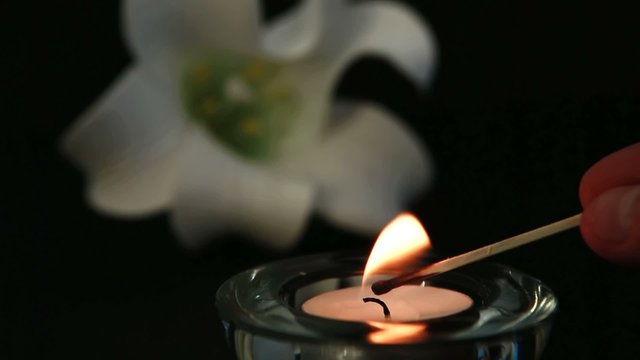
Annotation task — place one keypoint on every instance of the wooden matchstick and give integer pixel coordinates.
(384, 286)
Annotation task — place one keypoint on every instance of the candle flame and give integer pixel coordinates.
(402, 242)
(395, 333)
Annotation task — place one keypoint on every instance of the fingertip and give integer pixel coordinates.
(611, 225)
(586, 188)
(614, 170)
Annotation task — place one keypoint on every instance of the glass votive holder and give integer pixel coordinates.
(261, 311)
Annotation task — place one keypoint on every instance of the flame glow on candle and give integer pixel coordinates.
(395, 333)
(402, 242)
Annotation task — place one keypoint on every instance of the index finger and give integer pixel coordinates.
(618, 169)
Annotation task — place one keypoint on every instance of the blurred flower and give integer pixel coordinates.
(229, 124)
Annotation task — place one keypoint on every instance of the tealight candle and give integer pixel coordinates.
(400, 243)
(405, 303)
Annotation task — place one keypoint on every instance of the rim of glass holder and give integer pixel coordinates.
(266, 300)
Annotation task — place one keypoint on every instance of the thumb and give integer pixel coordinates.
(611, 225)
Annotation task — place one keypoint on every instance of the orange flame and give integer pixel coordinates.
(400, 244)
(395, 333)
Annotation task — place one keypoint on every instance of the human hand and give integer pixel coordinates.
(610, 196)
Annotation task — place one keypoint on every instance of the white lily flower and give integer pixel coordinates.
(229, 124)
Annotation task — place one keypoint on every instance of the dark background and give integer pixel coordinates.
(527, 96)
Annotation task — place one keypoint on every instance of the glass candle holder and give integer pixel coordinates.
(261, 311)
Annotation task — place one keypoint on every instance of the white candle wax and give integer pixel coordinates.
(405, 303)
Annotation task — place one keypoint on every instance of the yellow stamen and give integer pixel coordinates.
(250, 126)
(202, 72)
(209, 106)
(256, 70)
(277, 92)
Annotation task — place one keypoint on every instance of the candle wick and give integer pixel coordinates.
(385, 308)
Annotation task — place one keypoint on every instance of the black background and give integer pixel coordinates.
(527, 96)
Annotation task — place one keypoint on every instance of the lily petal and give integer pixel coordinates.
(367, 168)
(379, 28)
(218, 192)
(296, 33)
(127, 142)
(314, 88)
(389, 30)
(178, 27)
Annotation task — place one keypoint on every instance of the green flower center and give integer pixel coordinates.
(245, 102)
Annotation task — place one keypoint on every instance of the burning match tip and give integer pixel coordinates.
(381, 287)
